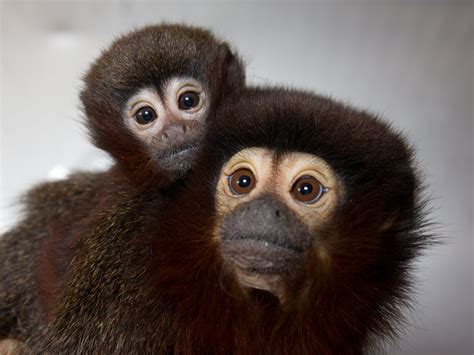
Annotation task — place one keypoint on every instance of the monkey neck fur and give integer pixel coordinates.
(166, 268)
(159, 267)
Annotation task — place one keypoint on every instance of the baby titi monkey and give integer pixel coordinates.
(146, 100)
(148, 96)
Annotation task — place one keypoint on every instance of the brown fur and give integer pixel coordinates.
(132, 268)
(147, 282)
(150, 57)
(46, 205)
(36, 254)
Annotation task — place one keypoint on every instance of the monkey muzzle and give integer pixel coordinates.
(178, 161)
(178, 153)
(263, 237)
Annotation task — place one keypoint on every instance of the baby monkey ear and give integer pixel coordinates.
(230, 68)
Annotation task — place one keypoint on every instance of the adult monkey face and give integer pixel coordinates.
(314, 201)
(270, 208)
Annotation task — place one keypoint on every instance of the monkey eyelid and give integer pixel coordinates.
(325, 190)
(197, 90)
(228, 190)
(318, 198)
(240, 165)
(192, 88)
(236, 167)
(147, 95)
(313, 173)
(187, 84)
(133, 108)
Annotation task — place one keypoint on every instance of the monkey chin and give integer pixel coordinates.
(265, 244)
(261, 264)
(272, 283)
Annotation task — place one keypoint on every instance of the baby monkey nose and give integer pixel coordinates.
(175, 133)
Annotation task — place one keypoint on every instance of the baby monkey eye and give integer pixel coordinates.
(308, 189)
(145, 115)
(241, 182)
(188, 100)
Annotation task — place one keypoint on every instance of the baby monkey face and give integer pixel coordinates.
(170, 122)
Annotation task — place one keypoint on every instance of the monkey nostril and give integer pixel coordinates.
(164, 137)
(277, 213)
(184, 128)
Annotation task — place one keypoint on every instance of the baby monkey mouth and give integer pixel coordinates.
(178, 160)
(176, 152)
(179, 152)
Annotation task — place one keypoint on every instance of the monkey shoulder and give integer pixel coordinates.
(55, 198)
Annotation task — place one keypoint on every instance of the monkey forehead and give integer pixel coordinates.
(150, 56)
(173, 46)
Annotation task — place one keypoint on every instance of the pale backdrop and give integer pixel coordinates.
(410, 61)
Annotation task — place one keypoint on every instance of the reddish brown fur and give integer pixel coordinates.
(20, 313)
(147, 282)
(140, 272)
(150, 57)
(35, 256)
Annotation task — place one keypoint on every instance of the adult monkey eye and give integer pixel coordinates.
(145, 115)
(308, 189)
(241, 182)
(188, 100)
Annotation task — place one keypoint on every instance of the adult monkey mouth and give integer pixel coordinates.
(260, 256)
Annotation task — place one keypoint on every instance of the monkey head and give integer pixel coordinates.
(315, 202)
(148, 96)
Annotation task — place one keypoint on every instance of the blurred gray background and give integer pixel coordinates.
(410, 61)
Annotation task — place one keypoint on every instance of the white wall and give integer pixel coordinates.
(410, 61)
